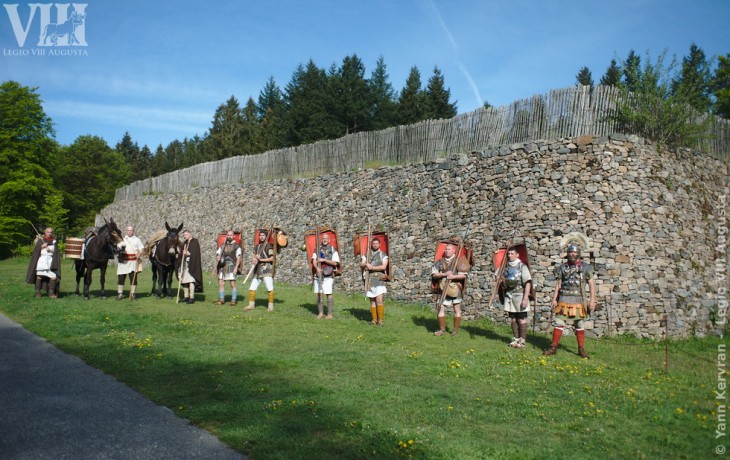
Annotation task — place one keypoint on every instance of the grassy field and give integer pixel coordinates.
(283, 385)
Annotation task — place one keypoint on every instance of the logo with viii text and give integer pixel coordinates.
(69, 28)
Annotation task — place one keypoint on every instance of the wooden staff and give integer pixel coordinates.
(269, 235)
(37, 233)
(500, 274)
(452, 266)
(367, 259)
(214, 271)
(245, 280)
(133, 277)
(38, 236)
(182, 272)
(276, 249)
(534, 307)
(250, 272)
(319, 264)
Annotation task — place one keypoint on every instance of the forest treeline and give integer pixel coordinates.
(43, 183)
(316, 104)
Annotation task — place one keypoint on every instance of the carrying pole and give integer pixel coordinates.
(182, 272)
(318, 268)
(133, 278)
(367, 259)
(453, 266)
(500, 274)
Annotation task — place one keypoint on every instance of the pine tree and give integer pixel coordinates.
(653, 111)
(382, 104)
(584, 77)
(157, 163)
(225, 136)
(270, 98)
(411, 102)
(174, 153)
(193, 152)
(130, 151)
(438, 104)
(631, 70)
(721, 87)
(250, 132)
(351, 95)
(612, 77)
(308, 116)
(693, 82)
(143, 165)
(272, 115)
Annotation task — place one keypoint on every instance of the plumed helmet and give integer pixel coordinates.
(574, 241)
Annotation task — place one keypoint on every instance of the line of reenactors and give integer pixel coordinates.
(452, 263)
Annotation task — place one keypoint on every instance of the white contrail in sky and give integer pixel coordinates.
(455, 45)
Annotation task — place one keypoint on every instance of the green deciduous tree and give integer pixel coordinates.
(54, 214)
(91, 172)
(27, 151)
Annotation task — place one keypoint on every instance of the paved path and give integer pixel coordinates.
(53, 406)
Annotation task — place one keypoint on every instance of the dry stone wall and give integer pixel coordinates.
(652, 219)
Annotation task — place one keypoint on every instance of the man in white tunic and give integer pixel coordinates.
(326, 260)
(129, 263)
(228, 260)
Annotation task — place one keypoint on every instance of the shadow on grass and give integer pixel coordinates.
(431, 324)
(475, 331)
(310, 307)
(359, 314)
(539, 341)
(279, 414)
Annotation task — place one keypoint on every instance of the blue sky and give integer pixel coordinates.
(160, 69)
